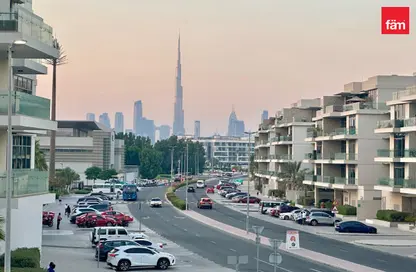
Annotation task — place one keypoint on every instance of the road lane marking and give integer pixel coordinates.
(233, 250)
(343, 250)
(316, 270)
(197, 235)
(176, 225)
(278, 267)
(213, 242)
(185, 230)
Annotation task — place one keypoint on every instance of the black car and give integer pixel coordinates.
(191, 189)
(106, 246)
(102, 196)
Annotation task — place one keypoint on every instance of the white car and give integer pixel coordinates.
(200, 184)
(286, 216)
(156, 202)
(126, 257)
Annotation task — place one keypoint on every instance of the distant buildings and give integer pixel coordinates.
(90, 116)
(197, 129)
(264, 115)
(235, 127)
(178, 119)
(119, 122)
(164, 132)
(105, 120)
(137, 116)
(142, 126)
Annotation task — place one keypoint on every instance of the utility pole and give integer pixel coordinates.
(186, 173)
(248, 186)
(171, 164)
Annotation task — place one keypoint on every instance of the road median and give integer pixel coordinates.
(173, 198)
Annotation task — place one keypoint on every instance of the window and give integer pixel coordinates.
(122, 232)
(144, 243)
(352, 121)
(22, 152)
(399, 112)
(23, 84)
(102, 231)
(111, 232)
(399, 145)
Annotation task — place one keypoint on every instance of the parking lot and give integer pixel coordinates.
(71, 249)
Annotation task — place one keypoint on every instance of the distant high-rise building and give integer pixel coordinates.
(137, 116)
(164, 132)
(90, 116)
(178, 119)
(264, 116)
(235, 127)
(197, 129)
(105, 120)
(147, 129)
(119, 122)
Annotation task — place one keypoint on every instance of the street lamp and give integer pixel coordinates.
(249, 133)
(186, 179)
(9, 159)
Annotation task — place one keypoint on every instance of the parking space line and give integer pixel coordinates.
(233, 250)
(316, 270)
(278, 267)
(213, 242)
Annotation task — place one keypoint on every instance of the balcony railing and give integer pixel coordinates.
(328, 179)
(310, 156)
(286, 157)
(313, 178)
(264, 127)
(343, 180)
(345, 156)
(262, 158)
(313, 132)
(408, 92)
(26, 104)
(410, 153)
(365, 106)
(411, 122)
(386, 153)
(398, 183)
(26, 182)
(27, 23)
(263, 142)
(390, 124)
(344, 131)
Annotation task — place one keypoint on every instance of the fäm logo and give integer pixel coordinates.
(395, 20)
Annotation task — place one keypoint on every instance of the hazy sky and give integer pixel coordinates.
(255, 54)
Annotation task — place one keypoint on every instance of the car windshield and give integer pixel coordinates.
(155, 199)
(129, 189)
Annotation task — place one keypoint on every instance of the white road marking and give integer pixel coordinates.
(316, 270)
(213, 242)
(233, 250)
(278, 267)
(176, 225)
(197, 235)
(185, 230)
(343, 250)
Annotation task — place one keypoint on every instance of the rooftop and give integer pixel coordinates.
(82, 125)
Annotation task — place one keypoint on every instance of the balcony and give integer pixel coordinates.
(286, 138)
(398, 183)
(262, 158)
(328, 179)
(344, 131)
(390, 124)
(386, 153)
(410, 153)
(313, 178)
(264, 128)
(345, 156)
(313, 132)
(365, 106)
(26, 104)
(411, 122)
(26, 182)
(344, 180)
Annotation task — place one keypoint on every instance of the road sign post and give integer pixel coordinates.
(98, 249)
(140, 216)
(258, 230)
(237, 260)
(275, 258)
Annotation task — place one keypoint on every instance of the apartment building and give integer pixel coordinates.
(30, 40)
(398, 154)
(83, 144)
(280, 140)
(345, 143)
(226, 151)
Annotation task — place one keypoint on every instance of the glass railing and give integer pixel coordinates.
(400, 94)
(262, 158)
(26, 104)
(411, 122)
(286, 138)
(391, 182)
(365, 106)
(274, 139)
(344, 131)
(286, 157)
(327, 179)
(345, 156)
(310, 156)
(263, 142)
(27, 23)
(313, 178)
(386, 153)
(343, 180)
(26, 182)
(410, 153)
(390, 124)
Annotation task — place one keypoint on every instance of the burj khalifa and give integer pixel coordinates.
(178, 119)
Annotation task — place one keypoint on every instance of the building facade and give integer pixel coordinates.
(119, 122)
(105, 120)
(178, 114)
(137, 116)
(264, 116)
(30, 187)
(197, 129)
(225, 152)
(236, 127)
(164, 132)
(83, 144)
(90, 117)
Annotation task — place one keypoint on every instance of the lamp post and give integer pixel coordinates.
(171, 165)
(249, 133)
(186, 173)
(9, 159)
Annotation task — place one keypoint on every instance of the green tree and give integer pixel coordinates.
(292, 175)
(253, 166)
(150, 161)
(61, 59)
(93, 173)
(40, 161)
(64, 178)
(108, 174)
(2, 234)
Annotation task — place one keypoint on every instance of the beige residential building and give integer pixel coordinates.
(398, 154)
(280, 140)
(345, 143)
(83, 144)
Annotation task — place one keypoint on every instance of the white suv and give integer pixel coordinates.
(126, 257)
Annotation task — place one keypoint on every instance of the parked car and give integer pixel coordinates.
(104, 247)
(110, 233)
(100, 207)
(237, 198)
(355, 227)
(119, 216)
(321, 218)
(89, 198)
(235, 194)
(251, 199)
(126, 257)
(82, 219)
(81, 211)
(210, 190)
(205, 203)
(102, 196)
(266, 206)
(191, 189)
(96, 220)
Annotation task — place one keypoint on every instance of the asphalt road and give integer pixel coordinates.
(210, 243)
(360, 255)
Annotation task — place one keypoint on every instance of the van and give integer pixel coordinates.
(200, 184)
(265, 206)
(108, 233)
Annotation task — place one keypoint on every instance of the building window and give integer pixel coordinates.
(399, 145)
(351, 121)
(399, 113)
(399, 170)
(22, 152)
(22, 84)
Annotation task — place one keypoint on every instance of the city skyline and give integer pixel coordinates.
(178, 127)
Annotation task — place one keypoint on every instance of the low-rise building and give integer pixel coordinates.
(83, 144)
(398, 153)
(280, 140)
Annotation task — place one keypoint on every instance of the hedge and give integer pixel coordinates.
(81, 192)
(25, 269)
(391, 215)
(176, 201)
(24, 258)
(347, 210)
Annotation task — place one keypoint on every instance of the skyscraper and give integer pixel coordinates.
(105, 120)
(164, 132)
(119, 122)
(197, 129)
(178, 119)
(264, 116)
(137, 116)
(147, 129)
(90, 116)
(235, 127)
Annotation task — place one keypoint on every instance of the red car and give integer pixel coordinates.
(94, 220)
(118, 216)
(210, 190)
(252, 199)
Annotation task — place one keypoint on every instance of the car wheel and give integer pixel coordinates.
(286, 217)
(314, 223)
(123, 265)
(163, 264)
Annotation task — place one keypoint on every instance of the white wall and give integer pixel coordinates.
(70, 142)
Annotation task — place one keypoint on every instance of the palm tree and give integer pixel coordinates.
(2, 235)
(292, 175)
(65, 177)
(40, 162)
(61, 59)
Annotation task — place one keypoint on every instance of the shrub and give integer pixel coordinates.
(347, 210)
(82, 192)
(26, 269)
(276, 193)
(391, 215)
(410, 219)
(306, 201)
(176, 201)
(328, 205)
(24, 258)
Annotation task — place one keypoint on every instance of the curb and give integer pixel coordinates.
(364, 234)
(380, 245)
(61, 246)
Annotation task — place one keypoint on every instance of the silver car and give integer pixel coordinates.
(321, 218)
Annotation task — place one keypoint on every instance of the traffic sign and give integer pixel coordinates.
(292, 239)
(275, 243)
(275, 258)
(258, 229)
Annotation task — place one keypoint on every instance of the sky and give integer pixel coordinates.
(255, 55)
